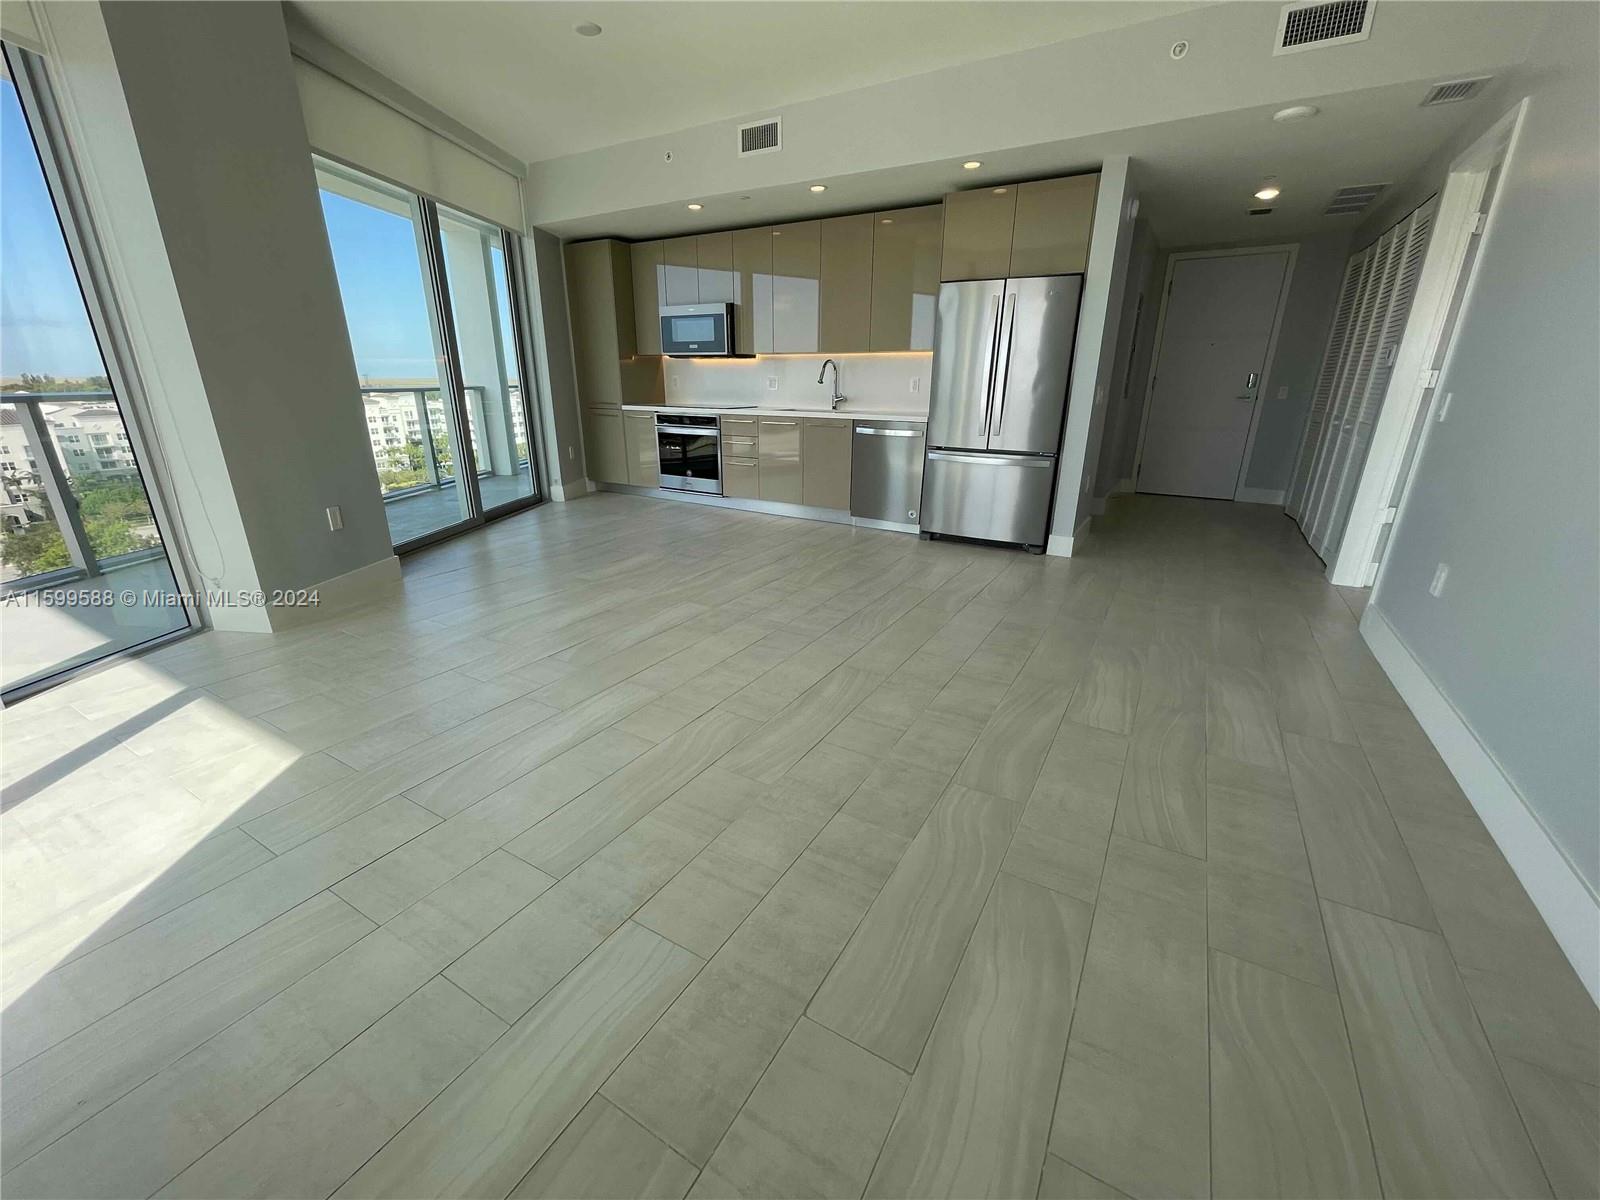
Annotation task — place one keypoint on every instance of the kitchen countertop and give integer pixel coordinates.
(847, 413)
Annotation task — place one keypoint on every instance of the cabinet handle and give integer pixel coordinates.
(780, 422)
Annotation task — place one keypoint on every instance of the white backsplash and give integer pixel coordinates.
(880, 382)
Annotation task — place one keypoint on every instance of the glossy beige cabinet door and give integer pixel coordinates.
(601, 311)
(906, 245)
(844, 312)
(639, 442)
(752, 290)
(780, 459)
(977, 233)
(714, 260)
(825, 463)
(648, 295)
(605, 448)
(741, 477)
(681, 259)
(796, 276)
(1053, 221)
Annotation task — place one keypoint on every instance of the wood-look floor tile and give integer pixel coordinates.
(1286, 1115)
(605, 1154)
(1107, 694)
(1063, 1181)
(1563, 1119)
(814, 1124)
(976, 1118)
(1427, 1076)
(1241, 717)
(1357, 855)
(313, 1137)
(1163, 798)
(1060, 840)
(1307, 700)
(1268, 920)
(1133, 1108)
(1252, 822)
(1006, 758)
(884, 992)
(484, 1132)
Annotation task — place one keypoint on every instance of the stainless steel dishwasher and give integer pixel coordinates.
(886, 471)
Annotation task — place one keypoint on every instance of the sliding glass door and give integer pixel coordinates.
(84, 568)
(430, 301)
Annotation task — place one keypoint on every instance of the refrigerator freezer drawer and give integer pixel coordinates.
(1002, 498)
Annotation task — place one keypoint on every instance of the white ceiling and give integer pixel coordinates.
(517, 74)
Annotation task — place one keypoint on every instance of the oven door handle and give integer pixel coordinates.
(693, 430)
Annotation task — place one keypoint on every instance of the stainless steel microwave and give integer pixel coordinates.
(697, 330)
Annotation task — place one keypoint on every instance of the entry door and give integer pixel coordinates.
(1215, 336)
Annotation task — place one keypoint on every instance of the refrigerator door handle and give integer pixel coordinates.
(994, 460)
(997, 305)
(1009, 320)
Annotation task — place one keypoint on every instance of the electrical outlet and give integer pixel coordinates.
(916, 384)
(335, 518)
(1444, 407)
(1283, 392)
(1436, 588)
(772, 383)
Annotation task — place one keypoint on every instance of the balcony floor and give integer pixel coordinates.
(425, 512)
(40, 638)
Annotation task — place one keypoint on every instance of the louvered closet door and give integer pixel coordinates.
(1342, 419)
(1337, 337)
(1409, 247)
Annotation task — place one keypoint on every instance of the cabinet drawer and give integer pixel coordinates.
(741, 478)
(740, 447)
(739, 426)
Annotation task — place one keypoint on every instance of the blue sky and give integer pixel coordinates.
(375, 255)
(43, 326)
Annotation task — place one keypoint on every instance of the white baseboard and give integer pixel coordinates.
(1566, 902)
(1250, 495)
(340, 593)
(1061, 545)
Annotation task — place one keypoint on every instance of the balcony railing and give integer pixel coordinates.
(425, 460)
(60, 525)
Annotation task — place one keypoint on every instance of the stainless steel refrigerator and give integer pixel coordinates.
(1001, 359)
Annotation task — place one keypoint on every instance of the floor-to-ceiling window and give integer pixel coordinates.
(429, 298)
(84, 565)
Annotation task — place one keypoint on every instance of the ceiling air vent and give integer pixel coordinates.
(1355, 199)
(1454, 91)
(1303, 26)
(761, 137)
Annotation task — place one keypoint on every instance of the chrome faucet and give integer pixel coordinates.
(838, 399)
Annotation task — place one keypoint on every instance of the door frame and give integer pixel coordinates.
(1268, 364)
(1428, 339)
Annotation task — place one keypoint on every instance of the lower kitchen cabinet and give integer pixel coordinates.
(605, 447)
(825, 463)
(741, 477)
(780, 459)
(639, 443)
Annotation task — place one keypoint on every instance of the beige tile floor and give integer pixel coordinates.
(639, 848)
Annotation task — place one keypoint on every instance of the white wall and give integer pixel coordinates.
(1506, 489)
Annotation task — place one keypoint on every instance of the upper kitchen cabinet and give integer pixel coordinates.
(1036, 228)
(1054, 217)
(752, 290)
(601, 308)
(977, 233)
(796, 279)
(681, 271)
(714, 263)
(649, 290)
(905, 277)
(845, 284)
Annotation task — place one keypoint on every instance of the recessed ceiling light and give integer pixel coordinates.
(1296, 112)
(819, 187)
(696, 207)
(886, 221)
(971, 164)
(587, 29)
(999, 191)
(1268, 192)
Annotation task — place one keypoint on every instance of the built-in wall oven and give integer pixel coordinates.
(690, 449)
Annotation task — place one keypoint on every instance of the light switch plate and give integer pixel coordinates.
(1283, 392)
(772, 383)
(335, 518)
(1436, 588)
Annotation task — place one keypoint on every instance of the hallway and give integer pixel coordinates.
(643, 848)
